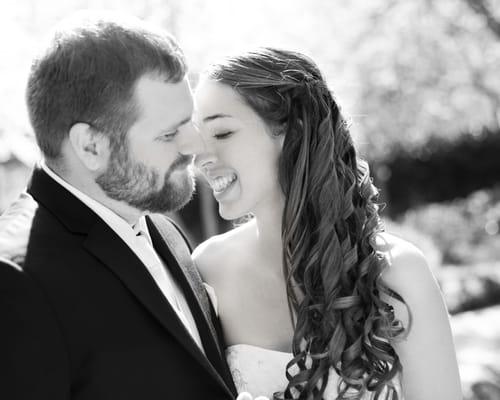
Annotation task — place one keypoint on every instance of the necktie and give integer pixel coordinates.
(162, 278)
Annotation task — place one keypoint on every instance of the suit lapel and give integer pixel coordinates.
(118, 257)
(114, 253)
(169, 244)
(183, 271)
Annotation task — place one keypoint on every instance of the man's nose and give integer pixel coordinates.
(190, 142)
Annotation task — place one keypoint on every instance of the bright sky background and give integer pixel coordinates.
(206, 29)
(402, 69)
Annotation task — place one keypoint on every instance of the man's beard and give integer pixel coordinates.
(134, 183)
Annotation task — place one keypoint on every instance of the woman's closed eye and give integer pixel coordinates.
(223, 135)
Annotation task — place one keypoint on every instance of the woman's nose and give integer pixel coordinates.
(205, 160)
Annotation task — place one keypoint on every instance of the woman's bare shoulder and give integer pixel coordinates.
(395, 247)
(408, 271)
(428, 339)
(219, 252)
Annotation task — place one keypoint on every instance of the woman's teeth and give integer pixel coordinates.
(222, 183)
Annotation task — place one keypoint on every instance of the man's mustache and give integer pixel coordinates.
(182, 161)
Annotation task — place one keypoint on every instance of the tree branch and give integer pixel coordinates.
(480, 7)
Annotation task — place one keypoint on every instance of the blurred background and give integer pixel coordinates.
(420, 81)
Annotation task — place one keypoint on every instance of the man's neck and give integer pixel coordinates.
(128, 213)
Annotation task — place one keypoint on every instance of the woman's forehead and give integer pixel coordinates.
(213, 98)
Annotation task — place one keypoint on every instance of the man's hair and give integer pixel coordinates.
(88, 73)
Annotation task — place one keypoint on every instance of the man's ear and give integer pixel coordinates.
(91, 146)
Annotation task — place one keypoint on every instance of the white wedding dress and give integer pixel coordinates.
(258, 371)
(261, 372)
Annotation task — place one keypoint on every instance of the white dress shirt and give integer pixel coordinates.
(138, 239)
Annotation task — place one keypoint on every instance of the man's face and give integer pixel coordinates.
(151, 170)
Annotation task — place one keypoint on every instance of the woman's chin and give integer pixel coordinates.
(229, 212)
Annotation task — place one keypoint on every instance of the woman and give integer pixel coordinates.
(315, 300)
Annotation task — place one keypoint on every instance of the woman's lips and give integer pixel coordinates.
(221, 183)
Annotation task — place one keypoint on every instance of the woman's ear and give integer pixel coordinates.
(90, 145)
(279, 132)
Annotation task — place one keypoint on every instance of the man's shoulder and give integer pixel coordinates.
(15, 228)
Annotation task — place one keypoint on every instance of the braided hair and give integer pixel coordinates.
(329, 223)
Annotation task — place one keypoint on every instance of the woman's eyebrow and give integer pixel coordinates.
(216, 116)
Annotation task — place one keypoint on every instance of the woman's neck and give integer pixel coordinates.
(267, 222)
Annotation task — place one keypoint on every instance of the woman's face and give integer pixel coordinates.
(241, 158)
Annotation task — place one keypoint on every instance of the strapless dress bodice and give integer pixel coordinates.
(256, 370)
(261, 372)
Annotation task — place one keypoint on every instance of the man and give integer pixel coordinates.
(97, 298)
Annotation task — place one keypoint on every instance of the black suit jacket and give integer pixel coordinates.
(82, 319)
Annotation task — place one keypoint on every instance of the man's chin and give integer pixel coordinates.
(176, 192)
(178, 196)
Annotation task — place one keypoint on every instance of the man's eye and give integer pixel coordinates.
(223, 135)
(167, 137)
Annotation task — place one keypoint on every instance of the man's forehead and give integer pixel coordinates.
(172, 100)
(149, 85)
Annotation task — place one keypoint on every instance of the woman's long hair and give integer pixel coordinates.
(329, 222)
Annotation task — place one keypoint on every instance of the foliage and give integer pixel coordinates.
(426, 67)
(440, 170)
(477, 341)
(465, 230)
(471, 287)
(403, 69)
